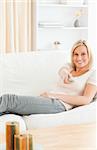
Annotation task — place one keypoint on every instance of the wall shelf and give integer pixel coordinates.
(64, 30)
(62, 5)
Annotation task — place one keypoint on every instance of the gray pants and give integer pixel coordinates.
(25, 105)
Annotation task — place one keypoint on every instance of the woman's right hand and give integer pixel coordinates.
(65, 75)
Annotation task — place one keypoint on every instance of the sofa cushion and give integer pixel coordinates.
(78, 115)
(30, 73)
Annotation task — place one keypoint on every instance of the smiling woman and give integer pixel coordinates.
(66, 95)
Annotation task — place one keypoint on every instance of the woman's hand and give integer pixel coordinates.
(48, 95)
(65, 75)
(44, 94)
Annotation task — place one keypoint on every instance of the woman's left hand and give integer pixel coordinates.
(47, 94)
(44, 94)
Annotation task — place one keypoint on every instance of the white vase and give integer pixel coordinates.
(76, 23)
(85, 2)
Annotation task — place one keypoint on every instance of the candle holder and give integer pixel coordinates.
(20, 142)
(23, 142)
(30, 142)
(12, 128)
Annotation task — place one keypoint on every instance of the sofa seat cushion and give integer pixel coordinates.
(78, 115)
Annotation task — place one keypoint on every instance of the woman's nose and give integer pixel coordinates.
(79, 57)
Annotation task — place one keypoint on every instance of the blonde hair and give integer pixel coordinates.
(82, 43)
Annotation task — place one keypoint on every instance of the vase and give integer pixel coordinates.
(76, 23)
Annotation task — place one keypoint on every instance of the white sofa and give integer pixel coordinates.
(30, 74)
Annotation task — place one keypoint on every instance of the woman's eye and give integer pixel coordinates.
(75, 54)
(83, 54)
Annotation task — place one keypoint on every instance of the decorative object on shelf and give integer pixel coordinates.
(75, 2)
(85, 2)
(78, 14)
(76, 23)
(62, 2)
(56, 45)
(48, 1)
(12, 128)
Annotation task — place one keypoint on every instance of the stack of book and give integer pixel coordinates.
(48, 1)
(44, 24)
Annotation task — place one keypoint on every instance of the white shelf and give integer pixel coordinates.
(62, 5)
(50, 49)
(65, 28)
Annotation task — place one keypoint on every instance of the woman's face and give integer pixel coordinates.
(80, 57)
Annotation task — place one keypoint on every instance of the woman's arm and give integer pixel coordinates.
(86, 98)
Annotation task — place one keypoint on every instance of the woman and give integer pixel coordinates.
(77, 87)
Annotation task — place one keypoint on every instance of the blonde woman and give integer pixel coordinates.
(77, 87)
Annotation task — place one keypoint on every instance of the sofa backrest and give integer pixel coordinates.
(30, 73)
